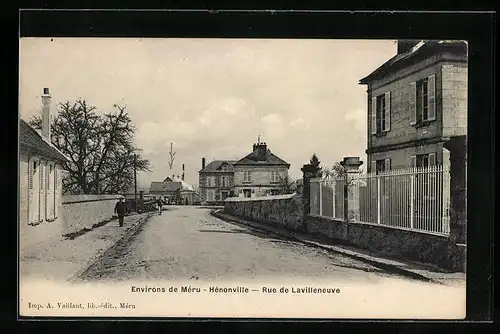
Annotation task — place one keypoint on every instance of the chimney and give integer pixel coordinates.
(405, 45)
(46, 114)
(182, 178)
(202, 163)
(259, 150)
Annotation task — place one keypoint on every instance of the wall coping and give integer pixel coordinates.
(261, 198)
(69, 199)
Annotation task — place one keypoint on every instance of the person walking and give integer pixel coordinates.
(159, 204)
(120, 210)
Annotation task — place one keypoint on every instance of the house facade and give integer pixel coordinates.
(40, 180)
(216, 180)
(260, 173)
(417, 101)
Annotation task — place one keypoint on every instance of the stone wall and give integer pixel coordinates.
(285, 211)
(398, 243)
(83, 211)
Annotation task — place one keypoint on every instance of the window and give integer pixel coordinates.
(42, 176)
(224, 167)
(49, 174)
(247, 176)
(381, 113)
(224, 181)
(32, 172)
(275, 176)
(423, 160)
(422, 100)
(247, 193)
(210, 195)
(210, 181)
(380, 166)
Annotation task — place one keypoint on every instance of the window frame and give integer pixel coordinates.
(247, 176)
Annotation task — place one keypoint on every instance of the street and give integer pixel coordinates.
(188, 243)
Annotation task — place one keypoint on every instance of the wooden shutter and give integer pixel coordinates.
(387, 98)
(413, 161)
(387, 164)
(432, 159)
(374, 115)
(374, 166)
(431, 97)
(413, 103)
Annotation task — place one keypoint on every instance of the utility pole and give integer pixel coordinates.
(135, 181)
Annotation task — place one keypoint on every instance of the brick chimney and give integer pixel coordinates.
(182, 178)
(259, 150)
(406, 44)
(46, 114)
(202, 163)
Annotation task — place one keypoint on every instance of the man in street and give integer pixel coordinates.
(120, 210)
(159, 204)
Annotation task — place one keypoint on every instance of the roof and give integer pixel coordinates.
(268, 159)
(184, 184)
(31, 140)
(216, 166)
(164, 186)
(170, 186)
(420, 50)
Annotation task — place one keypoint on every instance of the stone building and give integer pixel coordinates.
(216, 180)
(417, 101)
(260, 173)
(40, 181)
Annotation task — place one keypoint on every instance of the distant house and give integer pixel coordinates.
(173, 190)
(260, 173)
(417, 103)
(40, 181)
(216, 180)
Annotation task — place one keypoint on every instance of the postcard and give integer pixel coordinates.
(242, 178)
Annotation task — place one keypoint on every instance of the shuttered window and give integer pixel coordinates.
(423, 100)
(42, 176)
(381, 113)
(32, 170)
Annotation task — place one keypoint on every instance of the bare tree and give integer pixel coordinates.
(100, 148)
(288, 185)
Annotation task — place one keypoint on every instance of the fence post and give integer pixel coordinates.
(412, 194)
(378, 199)
(320, 183)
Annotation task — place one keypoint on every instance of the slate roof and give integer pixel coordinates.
(31, 141)
(215, 166)
(268, 159)
(422, 49)
(170, 186)
(160, 187)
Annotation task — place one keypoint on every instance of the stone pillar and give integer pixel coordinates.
(457, 147)
(308, 172)
(351, 202)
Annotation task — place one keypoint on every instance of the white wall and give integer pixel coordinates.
(83, 211)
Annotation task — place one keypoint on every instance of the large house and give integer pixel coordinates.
(40, 181)
(417, 101)
(216, 180)
(260, 173)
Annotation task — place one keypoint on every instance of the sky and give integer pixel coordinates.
(212, 98)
